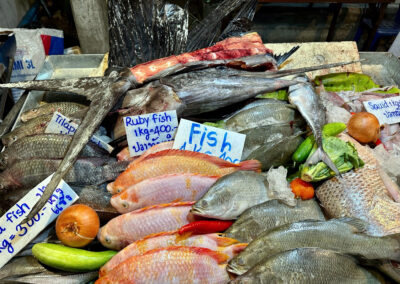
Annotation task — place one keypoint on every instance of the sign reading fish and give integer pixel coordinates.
(193, 136)
(145, 131)
(15, 236)
(386, 110)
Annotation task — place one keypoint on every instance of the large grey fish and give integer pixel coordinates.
(308, 266)
(259, 136)
(49, 146)
(65, 108)
(269, 215)
(304, 97)
(49, 277)
(232, 194)
(342, 235)
(86, 171)
(362, 194)
(21, 266)
(277, 152)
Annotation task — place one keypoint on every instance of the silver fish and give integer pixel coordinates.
(269, 215)
(309, 104)
(342, 235)
(232, 194)
(277, 152)
(21, 266)
(308, 266)
(49, 277)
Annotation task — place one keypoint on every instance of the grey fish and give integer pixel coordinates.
(307, 265)
(86, 171)
(342, 235)
(304, 97)
(21, 266)
(48, 146)
(277, 152)
(269, 215)
(232, 194)
(49, 277)
(259, 136)
(65, 108)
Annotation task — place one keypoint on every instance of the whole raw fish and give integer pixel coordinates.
(176, 161)
(171, 265)
(262, 135)
(130, 227)
(163, 189)
(342, 235)
(271, 214)
(86, 171)
(363, 194)
(232, 194)
(46, 146)
(65, 108)
(125, 156)
(308, 266)
(277, 152)
(50, 277)
(214, 242)
(21, 266)
(309, 104)
(259, 113)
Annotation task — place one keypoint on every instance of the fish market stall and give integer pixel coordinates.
(213, 161)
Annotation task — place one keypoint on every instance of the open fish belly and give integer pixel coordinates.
(362, 194)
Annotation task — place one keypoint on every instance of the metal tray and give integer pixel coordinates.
(382, 67)
(61, 67)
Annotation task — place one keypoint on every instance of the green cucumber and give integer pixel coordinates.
(71, 259)
(302, 152)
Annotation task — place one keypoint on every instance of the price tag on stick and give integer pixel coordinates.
(210, 140)
(145, 131)
(15, 236)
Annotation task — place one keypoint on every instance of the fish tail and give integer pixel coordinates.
(321, 155)
(283, 57)
(250, 165)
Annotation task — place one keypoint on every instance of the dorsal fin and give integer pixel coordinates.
(165, 205)
(359, 225)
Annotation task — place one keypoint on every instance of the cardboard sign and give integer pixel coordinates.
(145, 131)
(15, 236)
(210, 140)
(61, 124)
(386, 110)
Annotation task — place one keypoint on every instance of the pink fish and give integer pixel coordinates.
(127, 228)
(163, 189)
(124, 155)
(215, 242)
(171, 265)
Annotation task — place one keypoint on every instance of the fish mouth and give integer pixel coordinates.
(196, 211)
(232, 268)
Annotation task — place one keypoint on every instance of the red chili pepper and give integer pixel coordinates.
(352, 113)
(205, 227)
(378, 142)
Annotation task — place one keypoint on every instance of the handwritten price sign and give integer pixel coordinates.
(145, 131)
(15, 236)
(386, 110)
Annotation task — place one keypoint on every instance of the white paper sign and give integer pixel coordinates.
(386, 110)
(15, 236)
(61, 124)
(145, 131)
(210, 140)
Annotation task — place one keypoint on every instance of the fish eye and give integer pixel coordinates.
(203, 203)
(15, 138)
(125, 205)
(35, 110)
(240, 261)
(108, 240)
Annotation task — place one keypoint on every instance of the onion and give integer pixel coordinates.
(364, 127)
(77, 225)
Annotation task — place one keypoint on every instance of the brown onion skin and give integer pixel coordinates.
(364, 127)
(77, 225)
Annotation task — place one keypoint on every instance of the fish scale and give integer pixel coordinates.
(65, 108)
(362, 194)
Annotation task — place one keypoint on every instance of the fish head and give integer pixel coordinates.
(32, 113)
(108, 240)
(237, 265)
(3, 160)
(9, 138)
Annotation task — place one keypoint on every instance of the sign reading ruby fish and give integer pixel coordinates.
(145, 131)
(386, 110)
(14, 236)
(209, 140)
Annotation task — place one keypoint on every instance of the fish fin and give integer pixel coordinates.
(169, 233)
(223, 241)
(280, 58)
(165, 205)
(321, 155)
(110, 188)
(359, 226)
(237, 248)
(250, 165)
(182, 237)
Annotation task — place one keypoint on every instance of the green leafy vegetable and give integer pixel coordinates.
(279, 95)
